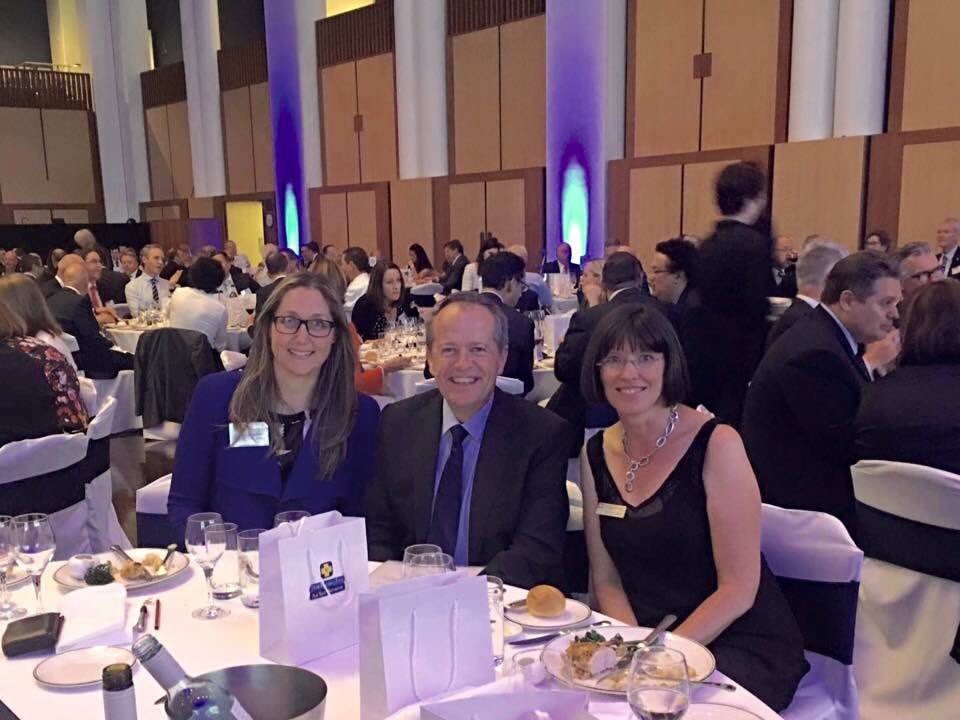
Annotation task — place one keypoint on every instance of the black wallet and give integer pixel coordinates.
(32, 634)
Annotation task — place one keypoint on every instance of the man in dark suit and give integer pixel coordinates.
(622, 277)
(800, 407)
(455, 262)
(50, 269)
(502, 276)
(562, 264)
(815, 263)
(784, 268)
(111, 283)
(276, 265)
(948, 233)
(72, 308)
(470, 468)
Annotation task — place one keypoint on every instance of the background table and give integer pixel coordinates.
(204, 645)
(126, 338)
(401, 384)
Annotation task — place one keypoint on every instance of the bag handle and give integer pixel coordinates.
(454, 613)
(349, 593)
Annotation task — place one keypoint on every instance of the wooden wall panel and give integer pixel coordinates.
(362, 219)
(931, 82)
(262, 130)
(333, 219)
(23, 175)
(170, 212)
(739, 97)
(700, 211)
(411, 217)
(152, 212)
(654, 208)
(180, 161)
(505, 211)
(666, 101)
(341, 151)
(476, 101)
(523, 93)
(238, 141)
(71, 216)
(818, 189)
(201, 208)
(69, 156)
(376, 104)
(158, 153)
(467, 215)
(31, 217)
(929, 191)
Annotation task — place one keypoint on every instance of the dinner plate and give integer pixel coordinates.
(711, 711)
(575, 613)
(177, 563)
(16, 576)
(700, 661)
(80, 668)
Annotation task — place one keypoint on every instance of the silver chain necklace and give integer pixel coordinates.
(635, 465)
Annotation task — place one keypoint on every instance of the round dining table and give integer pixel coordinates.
(202, 646)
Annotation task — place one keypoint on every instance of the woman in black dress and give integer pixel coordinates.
(385, 301)
(688, 540)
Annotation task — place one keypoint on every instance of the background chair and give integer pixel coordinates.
(153, 525)
(907, 656)
(818, 569)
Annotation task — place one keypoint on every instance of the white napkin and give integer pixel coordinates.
(95, 616)
(509, 684)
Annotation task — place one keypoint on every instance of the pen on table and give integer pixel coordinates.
(156, 616)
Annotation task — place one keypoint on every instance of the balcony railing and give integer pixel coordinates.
(31, 88)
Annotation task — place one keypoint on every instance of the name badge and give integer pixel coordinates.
(955, 270)
(611, 510)
(256, 434)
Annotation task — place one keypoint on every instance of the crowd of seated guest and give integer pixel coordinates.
(197, 307)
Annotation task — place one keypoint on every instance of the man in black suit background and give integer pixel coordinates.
(468, 467)
(799, 411)
(455, 262)
(111, 283)
(502, 276)
(276, 266)
(562, 264)
(815, 263)
(784, 268)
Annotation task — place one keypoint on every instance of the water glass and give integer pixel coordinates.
(495, 603)
(248, 543)
(536, 666)
(429, 564)
(658, 686)
(206, 549)
(414, 551)
(226, 575)
(35, 545)
(290, 516)
(8, 555)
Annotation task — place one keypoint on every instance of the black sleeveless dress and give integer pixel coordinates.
(664, 554)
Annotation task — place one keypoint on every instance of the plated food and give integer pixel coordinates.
(104, 568)
(545, 608)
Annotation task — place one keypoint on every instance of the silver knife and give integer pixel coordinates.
(546, 638)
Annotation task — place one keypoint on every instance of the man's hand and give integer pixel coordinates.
(106, 316)
(880, 357)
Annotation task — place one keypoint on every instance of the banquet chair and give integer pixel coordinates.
(506, 384)
(817, 566)
(102, 521)
(907, 656)
(153, 525)
(121, 387)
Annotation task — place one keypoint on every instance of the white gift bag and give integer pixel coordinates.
(421, 638)
(311, 575)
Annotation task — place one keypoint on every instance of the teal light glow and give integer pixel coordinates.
(291, 219)
(575, 212)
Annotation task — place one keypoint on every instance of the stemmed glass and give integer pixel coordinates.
(290, 516)
(206, 541)
(658, 686)
(8, 555)
(35, 545)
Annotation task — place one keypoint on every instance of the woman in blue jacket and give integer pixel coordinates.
(288, 433)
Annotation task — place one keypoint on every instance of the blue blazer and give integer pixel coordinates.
(243, 483)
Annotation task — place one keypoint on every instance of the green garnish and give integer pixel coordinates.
(99, 575)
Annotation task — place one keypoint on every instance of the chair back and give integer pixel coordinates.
(506, 384)
(153, 523)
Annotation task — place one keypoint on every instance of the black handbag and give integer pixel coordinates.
(32, 634)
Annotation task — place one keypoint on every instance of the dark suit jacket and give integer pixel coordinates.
(788, 285)
(554, 267)
(529, 301)
(51, 286)
(954, 270)
(911, 416)
(242, 281)
(798, 309)
(519, 505)
(243, 483)
(798, 418)
(111, 285)
(452, 279)
(75, 314)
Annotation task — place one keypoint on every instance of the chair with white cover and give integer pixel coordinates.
(907, 656)
(818, 566)
(153, 525)
(506, 384)
(121, 387)
(103, 525)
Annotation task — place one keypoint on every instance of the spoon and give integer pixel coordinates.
(162, 570)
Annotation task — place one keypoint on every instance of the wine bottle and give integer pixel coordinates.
(188, 698)
(119, 700)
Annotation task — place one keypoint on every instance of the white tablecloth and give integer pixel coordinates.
(204, 645)
(401, 384)
(126, 338)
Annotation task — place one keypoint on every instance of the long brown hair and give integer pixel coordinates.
(22, 295)
(931, 325)
(10, 323)
(375, 288)
(333, 403)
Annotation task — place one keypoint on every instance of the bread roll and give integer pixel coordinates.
(545, 601)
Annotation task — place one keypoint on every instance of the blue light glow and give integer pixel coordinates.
(575, 209)
(291, 219)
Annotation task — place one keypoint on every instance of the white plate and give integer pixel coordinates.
(575, 613)
(80, 668)
(700, 661)
(710, 711)
(16, 576)
(177, 563)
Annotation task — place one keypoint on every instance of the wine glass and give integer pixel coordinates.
(290, 516)
(429, 564)
(658, 686)
(8, 555)
(414, 551)
(35, 545)
(205, 549)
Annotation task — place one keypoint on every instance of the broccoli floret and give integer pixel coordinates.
(99, 574)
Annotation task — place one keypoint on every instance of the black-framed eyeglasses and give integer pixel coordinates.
(290, 325)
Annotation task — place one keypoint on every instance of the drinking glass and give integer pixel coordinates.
(414, 551)
(8, 556)
(535, 666)
(248, 543)
(226, 577)
(658, 687)
(429, 564)
(206, 550)
(290, 516)
(35, 545)
(495, 603)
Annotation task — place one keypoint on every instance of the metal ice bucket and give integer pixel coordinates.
(274, 692)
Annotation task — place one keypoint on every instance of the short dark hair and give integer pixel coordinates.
(682, 255)
(454, 245)
(375, 287)
(327, 247)
(30, 262)
(488, 243)
(292, 257)
(857, 273)
(931, 329)
(219, 253)
(497, 269)
(275, 263)
(206, 274)
(737, 184)
(883, 236)
(358, 257)
(312, 245)
(637, 327)
(621, 268)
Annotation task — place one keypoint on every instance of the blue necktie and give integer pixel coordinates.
(445, 522)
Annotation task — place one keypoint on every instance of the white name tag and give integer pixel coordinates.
(611, 510)
(256, 434)
(955, 270)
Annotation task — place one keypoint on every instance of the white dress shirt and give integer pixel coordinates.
(357, 287)
(139, 293)
(536, 283)
(471, 278)
(192, 309)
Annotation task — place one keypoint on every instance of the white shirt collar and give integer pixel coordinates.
(616, 292)
(846, 333)
(808, 300)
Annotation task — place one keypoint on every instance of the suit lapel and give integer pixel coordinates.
(304, 473)
(855, 360)
(497, 437)
(427, 426)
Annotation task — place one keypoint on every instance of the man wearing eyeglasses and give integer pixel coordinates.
(918, 266)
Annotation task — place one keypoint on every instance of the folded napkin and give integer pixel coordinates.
(95, 616)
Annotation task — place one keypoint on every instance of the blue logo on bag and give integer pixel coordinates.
(328, 585)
